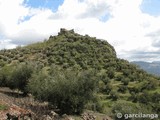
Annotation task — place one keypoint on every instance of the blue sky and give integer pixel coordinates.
(131, 26)
(50, 4)
(151, 7)
(148, 6)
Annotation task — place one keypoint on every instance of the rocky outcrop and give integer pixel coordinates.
(51, 116)
(88, 116)
(16, 113)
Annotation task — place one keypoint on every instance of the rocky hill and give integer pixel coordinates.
(81, 67)
(67, 49)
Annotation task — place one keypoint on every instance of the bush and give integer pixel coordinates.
(114, 95)
(144, 97)
(119, 77)
(156, 107)
(125, 81)
(111, 73)
(2, 63)
(67, 90)
(122, 89)
(20, 76)
(39, 86)
(5, 75)
(107, 88)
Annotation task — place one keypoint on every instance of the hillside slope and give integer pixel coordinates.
(68, 48)
(120, 84)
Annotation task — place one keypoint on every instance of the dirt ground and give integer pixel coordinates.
(18, 103)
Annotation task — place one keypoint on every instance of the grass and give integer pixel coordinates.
(124, 96)
(154, 91)
(3, 107)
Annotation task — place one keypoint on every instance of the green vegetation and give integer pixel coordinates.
(68, 90)
(74, 72)
(125, 107)
(3, 107)
(20, 76)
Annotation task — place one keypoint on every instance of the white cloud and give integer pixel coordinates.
(5, 43)
(127, 29)
(11, 12)
(26, 36)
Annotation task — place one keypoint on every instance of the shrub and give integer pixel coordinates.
(114, 95)
(122, 88)
(144, 97)
(119, 77)
(67, 90)
(107, 89)
(39, 85)
(156, 107)
(5, 75)
(111, 73)
(2, 63)
(105, 79)
(125, 81)
(20, 76)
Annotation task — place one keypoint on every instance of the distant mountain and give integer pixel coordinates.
(153, 67)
